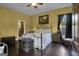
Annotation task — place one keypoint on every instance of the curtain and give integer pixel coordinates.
(68, 25)
(59, 20)
(60, 17)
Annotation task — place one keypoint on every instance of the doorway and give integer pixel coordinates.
(20, 28)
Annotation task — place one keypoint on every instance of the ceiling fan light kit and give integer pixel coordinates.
(35, 5)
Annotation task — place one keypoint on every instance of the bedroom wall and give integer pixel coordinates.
(8, 21)
(53, 17)
(9, 18)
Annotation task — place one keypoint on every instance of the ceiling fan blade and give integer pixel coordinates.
(35, 5)
(28, 5)
(40, 3)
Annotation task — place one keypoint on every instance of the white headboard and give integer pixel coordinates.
(44, 28)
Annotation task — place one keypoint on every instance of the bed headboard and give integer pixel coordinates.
(44, 28)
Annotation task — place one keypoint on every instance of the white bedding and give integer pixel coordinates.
(36, 36)
(46, 39)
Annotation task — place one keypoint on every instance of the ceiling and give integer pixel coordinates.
(21, 7)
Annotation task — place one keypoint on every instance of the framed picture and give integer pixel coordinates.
(44, 19)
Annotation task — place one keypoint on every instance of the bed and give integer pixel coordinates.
(41, 37)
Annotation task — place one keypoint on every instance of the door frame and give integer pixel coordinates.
(18, 27)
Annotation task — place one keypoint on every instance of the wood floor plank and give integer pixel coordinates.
(54, 49)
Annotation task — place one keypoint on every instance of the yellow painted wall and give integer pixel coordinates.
(9, 19)
(53, 17)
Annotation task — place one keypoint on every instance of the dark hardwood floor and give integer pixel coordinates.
(54, 49)
(13, 51)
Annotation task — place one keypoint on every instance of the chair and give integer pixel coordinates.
(3, 49)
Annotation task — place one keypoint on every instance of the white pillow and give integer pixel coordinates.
(1, 49)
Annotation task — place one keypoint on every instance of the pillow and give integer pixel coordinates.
(1, 49)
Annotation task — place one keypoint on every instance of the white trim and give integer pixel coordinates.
(18, 27)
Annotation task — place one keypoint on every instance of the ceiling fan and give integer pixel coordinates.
(35, 5)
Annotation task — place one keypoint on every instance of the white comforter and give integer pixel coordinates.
(46, 39)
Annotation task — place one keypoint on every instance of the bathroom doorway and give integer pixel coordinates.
(20, 28)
